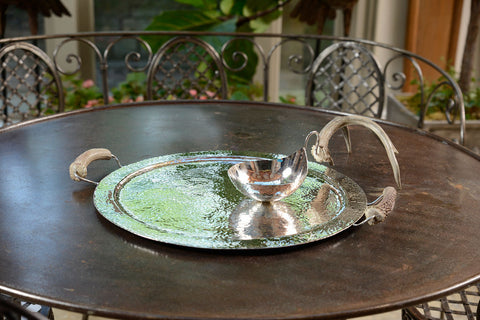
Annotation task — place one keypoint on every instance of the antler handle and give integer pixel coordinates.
(380, 208)
(78, 168)
(320, 150)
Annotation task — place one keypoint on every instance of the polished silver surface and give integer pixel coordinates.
(256, 220)
(188, 200)
(270, 180)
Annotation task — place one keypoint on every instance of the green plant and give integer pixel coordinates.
(472, 104)
(80, 93)
(132, 89)
(440, 95)
(245, 92)
(222, 16)
(289, 99)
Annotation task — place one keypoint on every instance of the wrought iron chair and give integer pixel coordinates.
(30, 86)
(463, 304)
(186, 68)
(347, 77)
(11, 309)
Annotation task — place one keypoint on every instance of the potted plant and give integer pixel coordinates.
(406, 108)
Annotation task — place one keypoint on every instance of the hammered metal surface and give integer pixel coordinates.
(188, 200)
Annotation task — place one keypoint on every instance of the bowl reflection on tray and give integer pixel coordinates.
(257, 220)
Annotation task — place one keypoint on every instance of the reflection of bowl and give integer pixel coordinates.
(270, 180)
(259, 220)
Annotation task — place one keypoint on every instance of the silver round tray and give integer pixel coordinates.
(188, 200)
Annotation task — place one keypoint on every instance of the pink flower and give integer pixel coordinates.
(126, 100)
(193, 92)
(210, 94)
(292, 99)
(139, 98)
(111, 99)
(88, 83)
(91, 103)
(203, 98)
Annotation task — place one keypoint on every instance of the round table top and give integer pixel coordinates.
(57, 249)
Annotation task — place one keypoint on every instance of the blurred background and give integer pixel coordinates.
(434, 29)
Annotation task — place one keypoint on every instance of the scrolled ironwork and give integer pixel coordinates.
(234, 56)
(451, 106)
(71, 57)
(296, 59)
(400, 77)
(133, 55)
(238, 56)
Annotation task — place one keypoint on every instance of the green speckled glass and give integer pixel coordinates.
(188, 200)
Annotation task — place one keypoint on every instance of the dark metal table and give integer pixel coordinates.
(56, 249)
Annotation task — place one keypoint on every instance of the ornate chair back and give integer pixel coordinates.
(186, 68)
(346, 77)
(30, 86)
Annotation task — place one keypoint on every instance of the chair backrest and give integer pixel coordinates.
(346, 77)
(30, 86)
(186, 68)
(12, 310)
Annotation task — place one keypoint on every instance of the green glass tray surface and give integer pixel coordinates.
(188, 200)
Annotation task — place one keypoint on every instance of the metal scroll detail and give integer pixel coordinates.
(207, 65)
(188, 200)
(235, 57)
(75, 60)
(453, 107)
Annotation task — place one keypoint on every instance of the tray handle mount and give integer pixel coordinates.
(78, 168)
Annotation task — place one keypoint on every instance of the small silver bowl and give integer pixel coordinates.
(270, 180)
